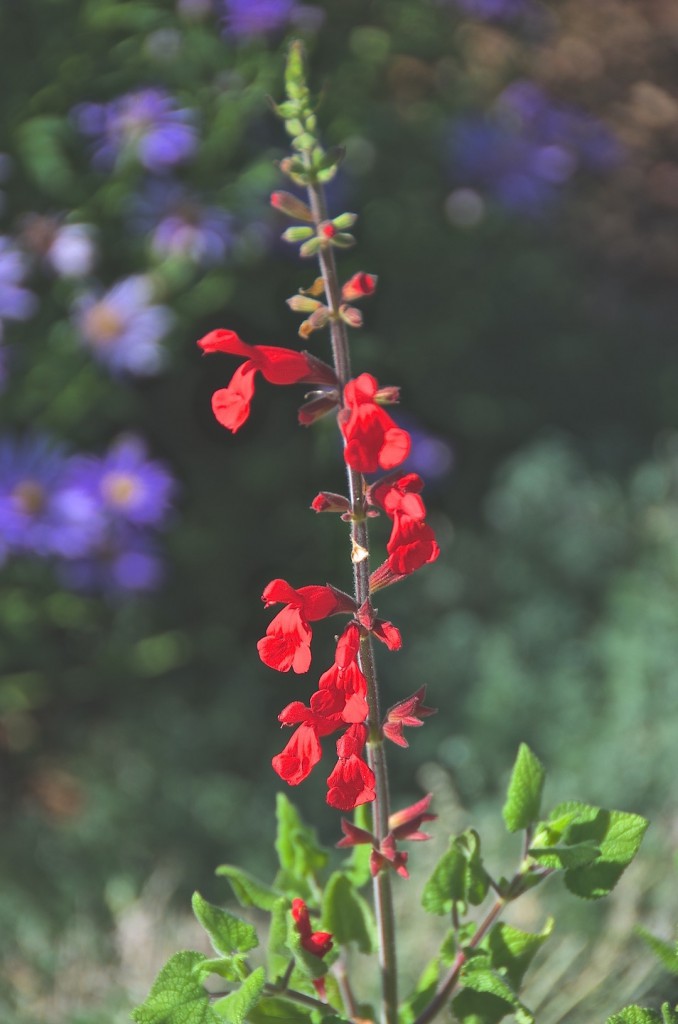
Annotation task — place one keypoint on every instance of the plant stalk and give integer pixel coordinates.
(383, 896)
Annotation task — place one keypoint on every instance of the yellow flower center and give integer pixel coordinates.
(120, 488)
(29, 497)
(102, 324)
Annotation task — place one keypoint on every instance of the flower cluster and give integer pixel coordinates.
(96, 516)
(528, 148)
(373, 442)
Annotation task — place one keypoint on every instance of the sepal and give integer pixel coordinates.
(292, 206)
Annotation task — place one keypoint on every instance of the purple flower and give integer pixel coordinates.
(40, 511)
(127, 560)
(16, 303)
(122, 328)
(256, 17)
(129, 488)
(180, 225)
(133, 494)
(73, 252)
(497, 10)
(430, 456)
(528, 147)
(144, 125)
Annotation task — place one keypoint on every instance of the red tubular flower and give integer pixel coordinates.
(351, 783)
(373, 440)
(231, 405)
(408, 712)
(358, 287)
(412, 542)
(299, 757)
(287, 644)
(406, 824)
(316, 943)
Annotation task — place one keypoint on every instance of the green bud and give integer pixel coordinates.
(297, 234)
(342, 240)
(311, 247)
(344, 221)
(304, 141)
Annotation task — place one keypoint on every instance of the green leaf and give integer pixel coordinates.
(236, 1006)
(177, 995)
(41, 145)
(512, 950)
(664, 951)
(279, 954)
(635, 1015)
(228, 934)
(523, 798)
(459, 877)
(486, 997)
(618, 835)
(669, 1016)
(347, 915)
(423, 994)
(249, 891)
(357, 865)
(563, 857)
(298, 849)
(275, 1010)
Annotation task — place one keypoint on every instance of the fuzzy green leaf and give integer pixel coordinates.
(512, 950)
(347, 915)
(236, 1006)
(666, 952)
(635, 1015)
(279, 955)
(177, 995)
(459, 877)
(523, 798)
(563, 857)
(486, 997)
(618, 835)
(249, 891)
(298, 849)
(275, 1010)
(228, 934)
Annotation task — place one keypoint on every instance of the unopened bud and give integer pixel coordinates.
(344, 221)
(389, 395)
(320, 403)
(342, 240)
(311, 247)
(302, 304)
(327, 501)
(327, 229)
(293, 207)
(316, 289)
(297, 234)
(351, 316)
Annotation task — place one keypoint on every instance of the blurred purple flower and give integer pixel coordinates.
(16, 302)
(145, 125)
(40, 511)
(497, 10)
(129, 487)
(180, 225)
(133, 493)
(255, 17)
(430, 455)
(73, 251)
(122, 328)
(127, 560)
(528, 147)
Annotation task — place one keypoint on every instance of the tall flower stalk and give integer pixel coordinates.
(307, 978)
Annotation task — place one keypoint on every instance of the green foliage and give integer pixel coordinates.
(228, 934)
(523, 799)
(236, 1006)
(177, 995)
(638, 1015)
(347, 915)
(512, 950)
(486, 996)
(300, 855)
(597, 846)
(249, 891)
(666, 952)
(458, 878)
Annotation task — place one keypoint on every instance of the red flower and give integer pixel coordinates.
(373, 440)
(412, 542)
(352, 781)
(299, 757)
(316, 943)
(408, 712)
(287, 644)
(231, 405)
(359, 286)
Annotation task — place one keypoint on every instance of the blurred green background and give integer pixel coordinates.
(515, 168)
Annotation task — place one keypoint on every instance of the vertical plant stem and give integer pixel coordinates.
(383, 896)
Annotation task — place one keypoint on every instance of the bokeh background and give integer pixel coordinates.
(515, 167)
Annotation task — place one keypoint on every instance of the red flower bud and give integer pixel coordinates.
(327, 501)
(293, 207)
(359, 286)
(327, 229)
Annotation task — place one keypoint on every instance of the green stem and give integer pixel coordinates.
(383, 897)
